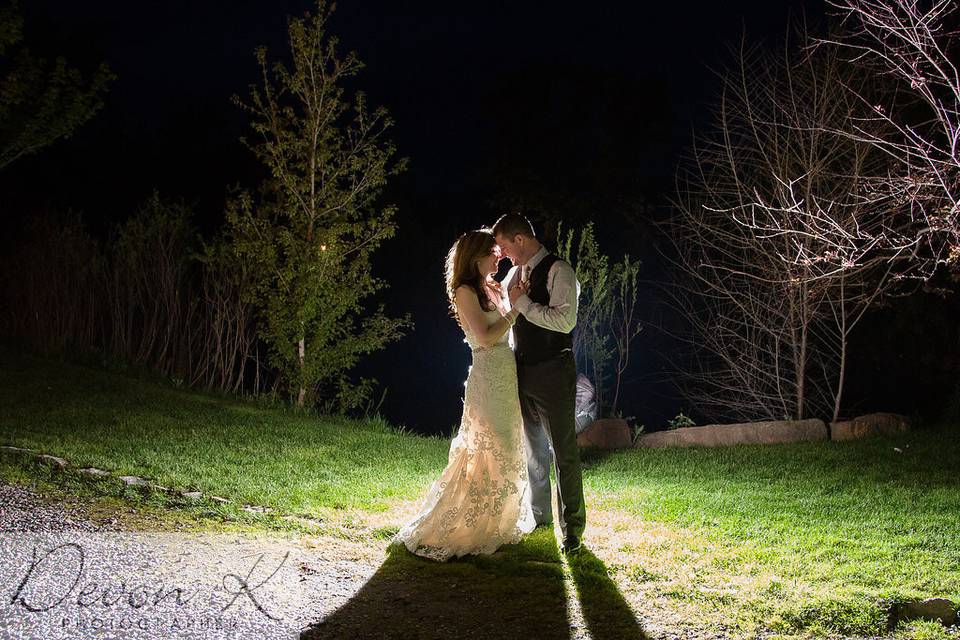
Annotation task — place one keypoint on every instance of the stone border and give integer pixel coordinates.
(606, 433)
(932, 609)
(868, 426)
(777, 432)
(719, 435)
(136, 482)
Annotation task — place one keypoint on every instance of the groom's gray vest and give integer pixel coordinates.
(535, 344)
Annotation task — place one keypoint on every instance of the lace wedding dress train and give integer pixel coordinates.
(482, 498)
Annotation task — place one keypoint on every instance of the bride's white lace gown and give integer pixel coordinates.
(481, 499)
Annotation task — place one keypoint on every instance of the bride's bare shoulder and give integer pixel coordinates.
(465, 295)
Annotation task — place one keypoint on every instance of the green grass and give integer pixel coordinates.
(835, 531)
(815, 538)
(297, 463)
(819, 534)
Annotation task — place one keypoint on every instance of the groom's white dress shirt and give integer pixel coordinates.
(563, 287)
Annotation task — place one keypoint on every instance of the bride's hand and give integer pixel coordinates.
(495, 295)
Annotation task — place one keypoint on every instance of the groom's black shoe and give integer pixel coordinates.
(571, 545)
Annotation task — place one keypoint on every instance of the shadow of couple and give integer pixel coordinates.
(518, 592)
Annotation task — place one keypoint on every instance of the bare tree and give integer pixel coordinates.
(47, 286)
(909, 43)
(149, 272)
(762, 211)
(224, 341)
(151, 295)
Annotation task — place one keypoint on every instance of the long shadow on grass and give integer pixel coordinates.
(516, 593)
(605, 610)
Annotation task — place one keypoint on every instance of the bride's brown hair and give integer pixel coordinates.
(462, 266)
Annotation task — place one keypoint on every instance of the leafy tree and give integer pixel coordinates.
(40, 101)
(315, 223)
(606, 322)
(622, 319)
(591, 341)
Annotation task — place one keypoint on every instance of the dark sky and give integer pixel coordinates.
(470, 86)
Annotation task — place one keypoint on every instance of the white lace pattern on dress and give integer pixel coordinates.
(481, 499)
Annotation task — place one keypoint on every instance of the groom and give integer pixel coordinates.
(544, 289)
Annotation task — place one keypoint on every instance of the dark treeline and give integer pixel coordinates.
(153, 294)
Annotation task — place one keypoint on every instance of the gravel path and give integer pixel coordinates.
(330, 587)
(23, 510)
(315, 575)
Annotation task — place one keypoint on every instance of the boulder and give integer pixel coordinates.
(606, 433)
(52, 460)
(872, 424)
(13, 449)
(934, 609)
(719, 435)
(307, 522)
(252, 508)
(93, 472)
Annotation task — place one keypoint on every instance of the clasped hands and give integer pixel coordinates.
(495, 294)
(518, 289)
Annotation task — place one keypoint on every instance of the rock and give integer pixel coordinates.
(134, 481)
(718, 435)
(192, 495)
(252, 508)
(93, 472)
(52, 460)
(304, 521)
(873, 424)
(606, 433)
(219, 499)
(13, 449)
(935, 609)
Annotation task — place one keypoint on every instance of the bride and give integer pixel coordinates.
(481, 499)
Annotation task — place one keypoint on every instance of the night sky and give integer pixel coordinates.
(590, 103)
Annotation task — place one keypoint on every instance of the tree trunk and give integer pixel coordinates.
(302, 394)
(802, 363)
(843, 351)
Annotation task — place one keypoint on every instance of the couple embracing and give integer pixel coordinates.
(518, 410)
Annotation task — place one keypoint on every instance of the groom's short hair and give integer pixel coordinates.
(512, 224)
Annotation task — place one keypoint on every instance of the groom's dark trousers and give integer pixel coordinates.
(547, 398)
(547, 377)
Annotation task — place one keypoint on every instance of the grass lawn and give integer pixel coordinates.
(793, 540)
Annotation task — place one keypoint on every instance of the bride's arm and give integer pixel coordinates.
(468, 308)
